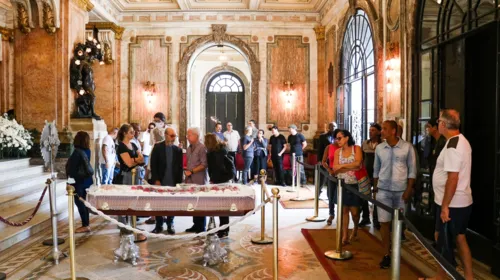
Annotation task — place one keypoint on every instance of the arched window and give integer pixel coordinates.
(225, 101)
(225, 82)
(357, 99)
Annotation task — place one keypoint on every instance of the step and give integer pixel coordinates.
(7, 175)
(21, 196)
(9, 164)
(20, 212)
(23, 183)
(13, 235)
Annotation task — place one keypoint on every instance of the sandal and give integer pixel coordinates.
(330, 220)
(82, 230)
(353, 237)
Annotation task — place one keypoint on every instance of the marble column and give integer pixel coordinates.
(322, 112)
(6, 69)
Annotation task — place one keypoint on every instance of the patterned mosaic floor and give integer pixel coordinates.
(180, 259)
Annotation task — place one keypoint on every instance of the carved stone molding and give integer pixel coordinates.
(107, 42)
(118, 30)
(23, 18)
(320, 32)
(219, 37)
(84, 4)
(215, 71)
(7, 34)
(48, 18)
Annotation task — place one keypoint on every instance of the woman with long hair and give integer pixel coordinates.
(348, 159)
(128, 155)
(216, 153)
(80, 170)
(260, 153)
(247, 143)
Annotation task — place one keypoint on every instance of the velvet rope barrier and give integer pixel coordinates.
(27, 220)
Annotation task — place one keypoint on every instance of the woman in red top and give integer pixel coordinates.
(327, 162)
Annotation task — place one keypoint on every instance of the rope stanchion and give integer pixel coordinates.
(276, 198)
(263, 239)
(54, 241)
(298, 183)
(338, 254)
(317, 187)
(397, 227)
(71, 233)
(27, 220)
(294, 174)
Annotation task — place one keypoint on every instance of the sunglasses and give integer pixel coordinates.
(338, 138)
(131, 132)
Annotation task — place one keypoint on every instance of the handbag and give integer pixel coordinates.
(364, 184)
(85, 170)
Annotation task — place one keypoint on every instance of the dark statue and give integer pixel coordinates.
(82, 76)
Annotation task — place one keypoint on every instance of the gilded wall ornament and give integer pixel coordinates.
(320, 32)
(7, 34)
(108, 57)
(23, 19)
(48, 19)
(219, 33)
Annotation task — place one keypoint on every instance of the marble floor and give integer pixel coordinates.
(180, 259)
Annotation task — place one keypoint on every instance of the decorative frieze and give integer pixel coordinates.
(118, 30)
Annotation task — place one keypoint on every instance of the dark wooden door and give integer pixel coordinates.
(225, 107)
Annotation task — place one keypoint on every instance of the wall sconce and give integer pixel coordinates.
(288, 94)
(393, 76)
(149, 91)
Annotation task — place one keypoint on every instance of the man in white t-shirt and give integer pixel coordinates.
(232, 139)
(107, 156)
(145, 139)
(452, 192)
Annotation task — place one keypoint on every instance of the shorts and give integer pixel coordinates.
(459, 218)
(391, 199)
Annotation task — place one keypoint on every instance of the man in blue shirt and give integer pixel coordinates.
(218, 131)
(394, 173)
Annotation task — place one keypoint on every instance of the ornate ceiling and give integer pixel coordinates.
(219, 5)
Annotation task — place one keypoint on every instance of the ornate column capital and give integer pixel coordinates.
(7, 34)
(118, 30)
(320, 32)
(84, 4)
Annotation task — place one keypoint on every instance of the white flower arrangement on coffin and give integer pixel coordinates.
(15, 140)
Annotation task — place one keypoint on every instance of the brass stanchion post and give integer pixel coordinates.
(397, 226)
(276, 198)
(317, 186)
(294, 162)
(263, 239)
(55, 241)
(137, 237)
(337, 254)
(71, 233)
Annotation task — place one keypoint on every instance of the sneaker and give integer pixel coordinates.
(386, 262)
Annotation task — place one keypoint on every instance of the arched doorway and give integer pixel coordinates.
(225, 101)
(218, 38)
(356, 97)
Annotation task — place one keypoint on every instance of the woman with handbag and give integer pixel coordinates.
(128, 155)
(347, 161)
(79, 168)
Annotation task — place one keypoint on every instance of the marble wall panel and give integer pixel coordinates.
(149, 60)
(35, 78)
(288, 60)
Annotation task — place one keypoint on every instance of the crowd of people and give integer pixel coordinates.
(389, 161)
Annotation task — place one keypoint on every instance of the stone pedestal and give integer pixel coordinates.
(97, 130)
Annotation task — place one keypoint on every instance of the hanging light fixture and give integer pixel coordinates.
(149, 91)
